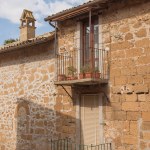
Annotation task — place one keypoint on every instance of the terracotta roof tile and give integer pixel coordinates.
(75, 8)
(20, 44)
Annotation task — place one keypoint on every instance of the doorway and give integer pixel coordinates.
(91, 119)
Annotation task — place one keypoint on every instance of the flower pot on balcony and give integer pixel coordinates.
(71, 77)
(81, 75)
(88, 75)
(68, 77)
(88, 71)
(71, 73)
(61, 77)
(96, 75)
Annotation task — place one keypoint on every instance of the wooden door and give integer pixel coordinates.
(91, 116)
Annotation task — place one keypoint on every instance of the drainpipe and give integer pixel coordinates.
(56, 29)
(55, 45)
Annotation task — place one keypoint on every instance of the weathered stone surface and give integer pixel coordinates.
(146, 116)
(130, 106)
(131, 97)
(133, 115)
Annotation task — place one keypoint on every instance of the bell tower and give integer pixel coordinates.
(27, 27)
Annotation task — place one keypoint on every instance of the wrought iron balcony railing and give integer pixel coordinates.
(79, 65)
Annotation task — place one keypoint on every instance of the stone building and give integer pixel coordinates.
(88, 81)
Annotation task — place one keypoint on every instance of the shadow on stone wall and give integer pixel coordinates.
(36, 126)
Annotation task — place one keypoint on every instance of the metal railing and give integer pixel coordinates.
(72, 64)
(68, 144)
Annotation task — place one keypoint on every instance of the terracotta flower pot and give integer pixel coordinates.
(61, 77)
(97, 75)
(71, 78)
(81, 75)
(88, 75)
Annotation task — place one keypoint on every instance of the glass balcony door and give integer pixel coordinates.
(89, 52)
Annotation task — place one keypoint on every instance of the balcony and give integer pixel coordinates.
(78, 68)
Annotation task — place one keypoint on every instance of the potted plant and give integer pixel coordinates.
(96, 73)
(61, 77)
(82, 73)
(71, 73)
(88, 71)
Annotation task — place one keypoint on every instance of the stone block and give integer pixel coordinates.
(146, 125)
(147, 50)
(121, 80)
(143, 43)
(51, 68)
(118, 54)
(146, 116)
(116, 106)
(116, 89)
(148, 97)
(121, 45)
(39, 131)
(39, 123)
(115, 98)
(141, 88)
(135, 79)
(134, 52)
(145, 106)
(141, 97)
(128, 36)
(141, 33)
(131, 97)
(129, 139)
(143, 70)
(128, 71)
(146, 135)
(120, 115)
(133, 115)
(125, 29)
(134, 128)
(115, 72)
(109, 115)
(127, 63)
(143, 60)
(127, 89)
(143, 145)
(130, 106)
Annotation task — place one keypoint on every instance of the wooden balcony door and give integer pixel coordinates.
(91, 119)
(90, 40)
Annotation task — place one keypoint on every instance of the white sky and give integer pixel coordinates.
(12, 9)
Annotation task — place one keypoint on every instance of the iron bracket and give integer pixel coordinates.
(66, 91)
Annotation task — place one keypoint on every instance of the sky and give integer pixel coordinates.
(11, 10)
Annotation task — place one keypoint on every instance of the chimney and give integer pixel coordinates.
(27, 27)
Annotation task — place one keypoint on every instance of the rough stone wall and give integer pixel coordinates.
(30, 104)
(67, 35)
(127, 32)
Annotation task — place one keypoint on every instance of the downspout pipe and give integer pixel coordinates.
(55, 44)
(56, 29)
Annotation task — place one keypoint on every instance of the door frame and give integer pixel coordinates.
(78, 116)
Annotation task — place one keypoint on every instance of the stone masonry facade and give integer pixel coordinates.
(126, 31)
(33, 110)
(30, 101)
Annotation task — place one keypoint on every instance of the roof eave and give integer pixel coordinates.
(16, 47)
(68, 12)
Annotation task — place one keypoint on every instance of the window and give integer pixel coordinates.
(89, 50)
